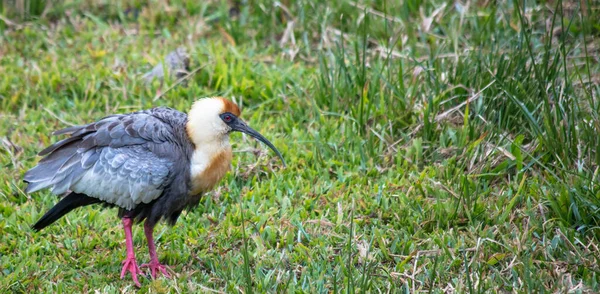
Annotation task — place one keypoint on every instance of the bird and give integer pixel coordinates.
(151, 164)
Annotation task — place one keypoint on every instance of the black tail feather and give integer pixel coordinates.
(70, 202)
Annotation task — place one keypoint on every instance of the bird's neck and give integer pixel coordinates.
(210, 162)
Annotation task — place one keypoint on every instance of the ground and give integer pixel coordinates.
(431, 146)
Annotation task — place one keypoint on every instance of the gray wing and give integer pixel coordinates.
(113, 160)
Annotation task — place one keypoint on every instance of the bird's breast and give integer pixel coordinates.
(208, 166)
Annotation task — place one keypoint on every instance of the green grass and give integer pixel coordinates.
(432, 146)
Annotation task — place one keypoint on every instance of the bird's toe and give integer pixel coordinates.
(156, 267)
(130, 265)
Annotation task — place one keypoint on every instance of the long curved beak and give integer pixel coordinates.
(241, 126)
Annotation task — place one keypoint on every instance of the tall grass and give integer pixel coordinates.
(24, 9)
(534, 84)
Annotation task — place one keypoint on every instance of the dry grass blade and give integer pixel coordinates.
(445, 114)
(376, 13)
(179, 81)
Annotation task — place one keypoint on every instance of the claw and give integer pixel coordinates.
(155, 266)
(130, 265)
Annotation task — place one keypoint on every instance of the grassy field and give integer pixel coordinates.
(432, 146)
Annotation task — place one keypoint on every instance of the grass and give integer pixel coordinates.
(432, 146)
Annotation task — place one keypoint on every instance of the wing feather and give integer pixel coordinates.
(125, 176)
(113, 159)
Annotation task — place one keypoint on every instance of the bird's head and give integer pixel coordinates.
(211, 120)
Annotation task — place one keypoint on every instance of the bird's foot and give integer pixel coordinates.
(155, 267)
(130, 265)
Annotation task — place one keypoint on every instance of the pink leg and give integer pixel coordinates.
(154, 265)
(129, 264)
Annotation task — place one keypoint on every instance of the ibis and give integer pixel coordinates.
(150, 164)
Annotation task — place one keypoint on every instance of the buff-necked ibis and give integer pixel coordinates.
(151, 164)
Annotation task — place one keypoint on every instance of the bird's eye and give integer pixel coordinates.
(227, 117)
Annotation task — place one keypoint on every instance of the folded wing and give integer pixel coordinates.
(114, 160)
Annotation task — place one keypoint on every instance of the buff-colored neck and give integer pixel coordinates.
(212, 154)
